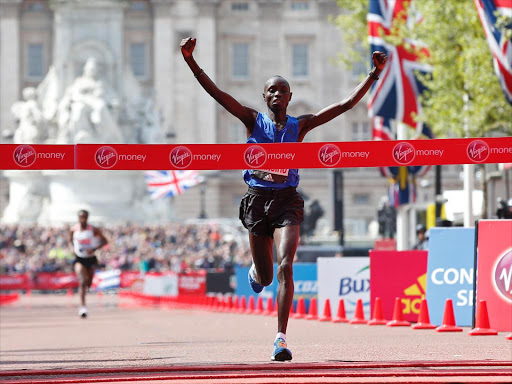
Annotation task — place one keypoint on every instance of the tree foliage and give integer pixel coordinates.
(464, 97)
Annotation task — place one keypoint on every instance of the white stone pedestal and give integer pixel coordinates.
(28, 193)
(110, 197)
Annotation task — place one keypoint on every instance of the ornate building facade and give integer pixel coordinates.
(240, 43)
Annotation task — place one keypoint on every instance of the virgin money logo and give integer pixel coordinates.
(478, 151)
(106, 157)
(255, 156)
(180, 157)
(329, 155)
(404, 153)
(503, 276)
(24, 155)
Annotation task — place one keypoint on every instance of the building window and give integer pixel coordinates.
(35, 7)
(300, 60)
(361, 131)
(240, 60)
(300, 5)
(35, 60)
(138, 59)
(239, 6)
(361, 199)
(138, 6)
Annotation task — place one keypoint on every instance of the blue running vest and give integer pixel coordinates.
(265, 131)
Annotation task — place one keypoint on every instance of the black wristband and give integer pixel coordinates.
(373, 75)
(199, 74)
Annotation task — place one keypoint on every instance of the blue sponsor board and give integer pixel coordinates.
(304, 278)
(450, 273)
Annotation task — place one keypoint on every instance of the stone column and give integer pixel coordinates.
(207, 56)
(10, 64)
(163, 40)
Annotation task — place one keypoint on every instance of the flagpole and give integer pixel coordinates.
(402, 222)
(469, 176)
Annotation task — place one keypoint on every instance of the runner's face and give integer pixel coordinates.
(277, 93)
(82, 218)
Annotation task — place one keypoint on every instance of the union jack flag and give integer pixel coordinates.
(402, 180)
(394, 96)
(501, 47)
(381, 129)
(170, 183)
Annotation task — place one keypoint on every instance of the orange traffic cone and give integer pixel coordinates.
(448, 324)
(398, 319)
(378, 314)
(313, 311)
(259, 306)
(250, 306)
(291, 310)
(242, 307)
(423, 317)
(327, 311)
(268, 311)
(359, 314)
(300, 313)
(341, 317)
(274, 312)
(236, 304)
(229, 304)
(483, 327)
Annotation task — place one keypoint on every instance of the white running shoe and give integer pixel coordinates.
(82, 312)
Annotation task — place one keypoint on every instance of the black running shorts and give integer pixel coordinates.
(263, 210)
(88, 262)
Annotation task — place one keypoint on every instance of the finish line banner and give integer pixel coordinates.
(257, 156)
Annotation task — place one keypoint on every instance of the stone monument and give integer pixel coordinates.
(88, 96)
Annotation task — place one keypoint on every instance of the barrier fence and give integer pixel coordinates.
(254, 156)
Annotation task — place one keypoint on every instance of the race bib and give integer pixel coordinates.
(272, 175)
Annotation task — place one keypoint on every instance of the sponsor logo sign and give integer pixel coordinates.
(478, 151)
(180, 157)
(450, 273)
(106, 157)
(343, 278)
(24, 156)
(404, 153)
(398, 274)
(329, 155)
(304, 279)
(255, 156)
(503, 276)
(494, 266)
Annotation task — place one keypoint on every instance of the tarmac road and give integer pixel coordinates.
(43, 335)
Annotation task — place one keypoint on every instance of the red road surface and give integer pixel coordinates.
(42, 339)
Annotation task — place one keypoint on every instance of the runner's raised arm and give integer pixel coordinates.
(245, 114)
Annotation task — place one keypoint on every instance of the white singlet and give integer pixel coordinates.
(83, 240)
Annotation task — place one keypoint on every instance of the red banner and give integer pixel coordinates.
(192, 283)
(398, 274)
(494, 276)
(13, 282)
(13, 156)
(253, 156)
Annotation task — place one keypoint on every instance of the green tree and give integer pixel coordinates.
(464, 97)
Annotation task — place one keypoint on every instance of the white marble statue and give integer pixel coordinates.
(30, 128)
(87, 113)
(140, 113)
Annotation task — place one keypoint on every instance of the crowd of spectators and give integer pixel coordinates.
(172, 247)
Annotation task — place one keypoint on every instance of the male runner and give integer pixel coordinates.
(84, 239)
(272, 209)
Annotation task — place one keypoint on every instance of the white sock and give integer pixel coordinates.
(281, 335)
